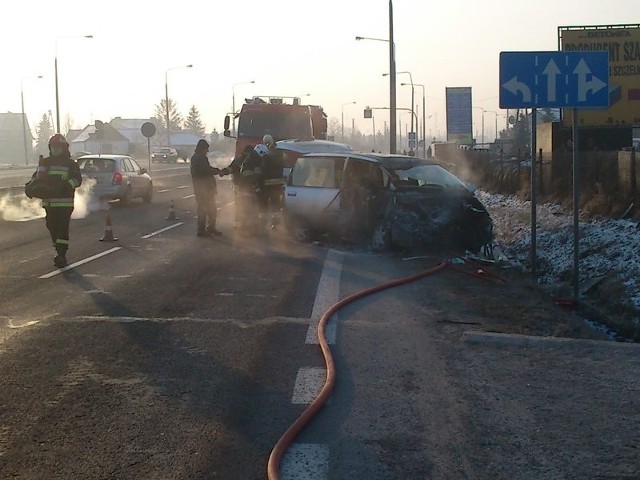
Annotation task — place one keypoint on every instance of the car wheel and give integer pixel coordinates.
(149, 195)
(381, 238)
(126, 200)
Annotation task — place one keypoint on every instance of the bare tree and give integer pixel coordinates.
(68, 124)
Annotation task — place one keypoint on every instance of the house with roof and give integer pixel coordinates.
(13, 127)
(108, 141)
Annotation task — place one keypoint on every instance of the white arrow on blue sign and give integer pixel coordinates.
(554, 79)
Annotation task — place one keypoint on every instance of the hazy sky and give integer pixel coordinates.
(289, 47)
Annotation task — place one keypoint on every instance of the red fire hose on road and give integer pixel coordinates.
(273, 466)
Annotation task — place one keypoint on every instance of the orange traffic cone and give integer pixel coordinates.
(108, 232)
(172, 212)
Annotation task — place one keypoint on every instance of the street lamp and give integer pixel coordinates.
(392, 79)
(412, 94)
(233, 104)
(56, 75)
(496, 114)
(483, 110)
(342, 123)
(424, 117)
(166, 99)
(24, 119)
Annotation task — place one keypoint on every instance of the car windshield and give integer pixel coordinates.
(425, 176)
(96, 165)
(163, 150)
(293, 124)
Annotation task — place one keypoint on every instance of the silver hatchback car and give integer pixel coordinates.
(117, 177)
(384, 201)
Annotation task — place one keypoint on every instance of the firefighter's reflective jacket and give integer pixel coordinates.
(251, 171)
(63, 175)
(273, 164)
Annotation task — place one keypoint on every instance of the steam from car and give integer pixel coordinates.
(20, 208)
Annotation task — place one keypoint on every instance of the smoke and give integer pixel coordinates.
(20, 208)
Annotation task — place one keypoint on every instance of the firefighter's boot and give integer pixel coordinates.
(60, 260)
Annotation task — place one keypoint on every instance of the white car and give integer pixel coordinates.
(293, 149)
(384, 201)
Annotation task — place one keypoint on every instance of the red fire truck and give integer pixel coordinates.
(283, 121)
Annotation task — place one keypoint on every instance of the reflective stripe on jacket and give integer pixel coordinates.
(67, 170)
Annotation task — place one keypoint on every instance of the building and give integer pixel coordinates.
(109, 141)
(12, 144)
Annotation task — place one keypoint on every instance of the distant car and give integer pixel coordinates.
(385, 201)
(118, 177)
(164, 155)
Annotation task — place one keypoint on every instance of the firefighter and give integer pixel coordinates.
(271, 196)
(63, 174)
(204, 187)
(252, 184)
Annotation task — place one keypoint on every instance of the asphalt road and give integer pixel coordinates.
(172, 357)
(164, 355)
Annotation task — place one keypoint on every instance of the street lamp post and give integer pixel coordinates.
(483, 110)
(496, 114)
(392, 80)
(56, 76)
(412, 95)
(166, 99)
(233, 104)
(342, 123)
(24, 119)
(424, 112)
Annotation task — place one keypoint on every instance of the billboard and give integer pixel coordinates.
(459, 115)
(623, 44)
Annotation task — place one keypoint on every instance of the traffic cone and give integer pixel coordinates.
(108, 232)
(172, 212)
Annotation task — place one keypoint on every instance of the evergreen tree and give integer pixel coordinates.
(161, 114)
(193, 123)
(44, 130)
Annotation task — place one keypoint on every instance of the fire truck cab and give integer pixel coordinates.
(275, 116)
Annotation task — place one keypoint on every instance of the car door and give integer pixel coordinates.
(313, 189)
(141, 178)
(132, 176)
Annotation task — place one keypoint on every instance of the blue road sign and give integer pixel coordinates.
(554, 79)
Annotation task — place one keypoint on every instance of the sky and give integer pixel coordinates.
(288, 47)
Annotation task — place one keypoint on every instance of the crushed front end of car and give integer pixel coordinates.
(440, 220)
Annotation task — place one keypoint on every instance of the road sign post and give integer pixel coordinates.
(148, 129)
(574, 79)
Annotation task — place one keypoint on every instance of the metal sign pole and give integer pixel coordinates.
(534, 191)
(149, 152)
(576, 209)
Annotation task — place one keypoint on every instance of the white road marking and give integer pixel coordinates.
(81, 262)
(329, 285)
(164, 190)
(305, 461)
(309, 382)
(327, 295)
(162, 230)
(182, 186)
(188, 196)
(329, 332)
(229, 204)
(28, 324)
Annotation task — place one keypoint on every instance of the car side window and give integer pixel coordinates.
(127, 165)
(136, 167)
(364, 174)
(320, 172)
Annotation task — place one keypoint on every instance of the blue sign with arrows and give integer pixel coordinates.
(554, 79)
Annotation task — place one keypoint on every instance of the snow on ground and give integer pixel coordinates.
(608, 247)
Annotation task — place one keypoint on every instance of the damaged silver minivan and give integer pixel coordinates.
(384, 201)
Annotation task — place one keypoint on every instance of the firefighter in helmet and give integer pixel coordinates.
(271, 196)
(62, 173)
(252, 184)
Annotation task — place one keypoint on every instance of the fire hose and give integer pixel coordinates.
(278, 451)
